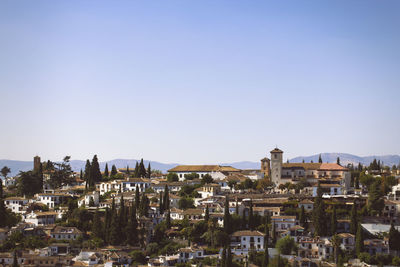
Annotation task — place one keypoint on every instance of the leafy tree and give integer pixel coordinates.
(185, 203)
(172, 177)
(191, 176)
(359, 240)
(114, 171)
(375, 199)
(106, 173)
(5, 171)
(286, 245)
(207, 179)
(29, 183)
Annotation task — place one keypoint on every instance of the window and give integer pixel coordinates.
(275, 156)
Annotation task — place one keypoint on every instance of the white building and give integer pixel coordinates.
(283, 222)
(244, 241)
(40, 218)
(131, 183)
(16, 204)
(10, 181)
(85, 200)
(52, 199)
(190, 253)
(65, 233)
(209, 190)
(217, 172)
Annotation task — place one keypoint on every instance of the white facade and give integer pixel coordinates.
(85, 200)
(283, 222)
(40, 218)
(242, 242)
(186, 254)
(51, 200)
(16, 204)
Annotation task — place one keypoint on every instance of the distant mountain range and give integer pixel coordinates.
(16, 165)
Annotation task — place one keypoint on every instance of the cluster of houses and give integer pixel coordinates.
(333, 178)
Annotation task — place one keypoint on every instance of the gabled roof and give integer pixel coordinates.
(203, 168)
(247, 233)
(276, 150)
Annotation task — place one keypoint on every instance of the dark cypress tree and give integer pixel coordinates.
(148, 172)
(114, 171)
(251, 216)
(302, 217)
(87, 173)
(265, 261)
(132, 232)
(97, 227)
(122, 213)
(115, 231)
(127, 170)
(106, 174)
(320, 158)
(144, 206)
(107, 224)
(15, 260)
(244, 220)
(353, 219)
(223, 257)
(1, 189)
(161, 203)
(394, 239)
(333, 221)
(359, 240)
(237, 208)
(227, 217)
(338, 160)
(95, 174)
(319, 214)
(229, 257)
(166, 198)
(207, 215)
(168, 220)
(142, 169)
(3, 210)
(273, 234)
(137, 196)
(136, 174)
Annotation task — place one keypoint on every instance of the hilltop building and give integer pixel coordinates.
(332, 176)
(217, 172)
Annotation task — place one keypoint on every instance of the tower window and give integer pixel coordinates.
(276, 156)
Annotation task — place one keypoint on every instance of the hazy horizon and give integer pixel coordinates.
(198, 82)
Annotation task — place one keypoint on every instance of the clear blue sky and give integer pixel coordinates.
(198, 81)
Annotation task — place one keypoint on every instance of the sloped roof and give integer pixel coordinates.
(203, 168)
(276, 150)
(247, 233)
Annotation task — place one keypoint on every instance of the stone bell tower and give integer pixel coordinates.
(276, 166)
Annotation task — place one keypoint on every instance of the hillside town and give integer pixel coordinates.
(282, 214)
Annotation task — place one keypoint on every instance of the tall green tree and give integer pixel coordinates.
(144, 206)
(122, 213)
(302, 217)
(353, 219)
(338, 161)
(333, 221)
(106, 173)
(95, 174)
(161, 203)
(115, 231)
(227, 217)
(359, 240)
(1, 189)
(168, 220)
(29, 183)
(229, 257)
(132, 231)
(5, 171)
(320, 158)
(62, 173)
(97, 226)
(375, 199)
(114, 171)
(394, 238)
(137, 170)
(86, 175)
(148, 172)
(166, 198)
(142, 169)
(244, 220)
(137, 196)
(319, 220)
(207, 214)
(15, 260)
(251, 216)
(223, 257)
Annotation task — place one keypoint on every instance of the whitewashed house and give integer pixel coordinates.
(40, 218)
(190, 253)
(244, 241)
(217, 172)
(85, 200)
(16, 204)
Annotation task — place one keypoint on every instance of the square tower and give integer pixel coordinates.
(276, 166)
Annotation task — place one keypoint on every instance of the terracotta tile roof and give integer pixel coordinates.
(305, 166)
(203, 168)
(276, 150)
(247, 233)
(331, 167)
